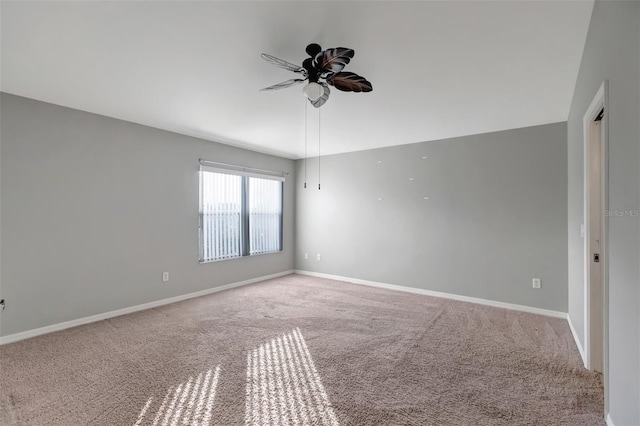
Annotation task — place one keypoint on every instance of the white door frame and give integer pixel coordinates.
(600, 102)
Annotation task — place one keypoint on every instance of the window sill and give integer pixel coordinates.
(238, 257)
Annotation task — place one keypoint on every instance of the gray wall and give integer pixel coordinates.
(95, 209)
(611, 52)
(495, 217)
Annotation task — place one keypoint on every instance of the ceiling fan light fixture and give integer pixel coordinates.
(313, 91)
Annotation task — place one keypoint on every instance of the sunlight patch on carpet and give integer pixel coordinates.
(188, 403)
(283, 385)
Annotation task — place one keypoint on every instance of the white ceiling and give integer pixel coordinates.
(439, 69)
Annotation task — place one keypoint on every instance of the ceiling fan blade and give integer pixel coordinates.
(333, 60)
(322, 99)
(284, 84)
(350, 82)
(284, 64)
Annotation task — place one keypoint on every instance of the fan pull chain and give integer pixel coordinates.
(319, 121)
(306, 112)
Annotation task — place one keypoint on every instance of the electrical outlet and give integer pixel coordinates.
(318, 256)
(536, 283)
(306, 255)
(2, 305)
(165, 277)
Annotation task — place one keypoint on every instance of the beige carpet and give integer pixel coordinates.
(301, 350)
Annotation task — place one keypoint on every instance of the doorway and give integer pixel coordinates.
(595, 123)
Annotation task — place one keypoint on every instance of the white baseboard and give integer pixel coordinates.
(578, 344)
(99, 317)
(609, 421)
(511, 306)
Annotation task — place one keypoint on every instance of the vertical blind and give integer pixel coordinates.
(240, 213)
(220, 216)
(265, 213)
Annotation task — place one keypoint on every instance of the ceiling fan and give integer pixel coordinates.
(322, 68)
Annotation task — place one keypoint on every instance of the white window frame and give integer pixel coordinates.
(245, 173)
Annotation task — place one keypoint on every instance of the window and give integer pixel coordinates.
(240, 212)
